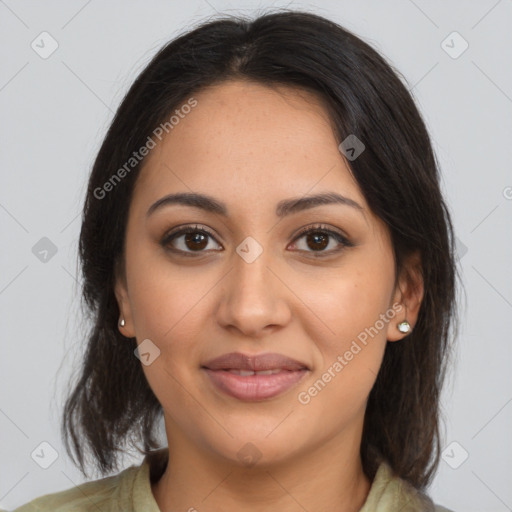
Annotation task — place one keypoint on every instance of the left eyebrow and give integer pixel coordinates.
(290, 206)
(283, 208)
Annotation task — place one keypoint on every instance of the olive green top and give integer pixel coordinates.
(130, 491)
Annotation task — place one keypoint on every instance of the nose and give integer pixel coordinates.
(254, 299)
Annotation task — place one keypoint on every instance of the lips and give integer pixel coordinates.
(256, 363)
(253, 378)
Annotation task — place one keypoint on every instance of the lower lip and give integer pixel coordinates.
(254, 387)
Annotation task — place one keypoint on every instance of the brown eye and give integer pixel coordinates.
(318, 238)
(188, 240)
(196, 241)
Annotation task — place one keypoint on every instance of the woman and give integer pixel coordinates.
(269, 265)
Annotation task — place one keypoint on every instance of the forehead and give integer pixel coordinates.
(251, 142)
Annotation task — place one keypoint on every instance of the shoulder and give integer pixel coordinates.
(390, 493)
(105, 494)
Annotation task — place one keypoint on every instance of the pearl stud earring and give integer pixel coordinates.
(404, 326)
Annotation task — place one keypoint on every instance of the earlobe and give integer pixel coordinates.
(400, 326)
(409, 294)
(125, 324)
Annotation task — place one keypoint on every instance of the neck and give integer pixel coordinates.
(329, 478)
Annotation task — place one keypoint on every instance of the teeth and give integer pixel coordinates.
(247, 373)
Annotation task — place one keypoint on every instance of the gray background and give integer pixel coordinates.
(55, 111)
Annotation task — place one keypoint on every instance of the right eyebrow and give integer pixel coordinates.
(283, 208)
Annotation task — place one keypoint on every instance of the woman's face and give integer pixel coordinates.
(254, 283)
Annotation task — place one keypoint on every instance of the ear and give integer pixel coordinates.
(121, 293)
(409, 294)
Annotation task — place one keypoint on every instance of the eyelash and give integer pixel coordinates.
(319, 228)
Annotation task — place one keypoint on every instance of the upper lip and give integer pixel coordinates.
(268, 361)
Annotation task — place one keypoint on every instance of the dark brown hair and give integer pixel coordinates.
(111, 403)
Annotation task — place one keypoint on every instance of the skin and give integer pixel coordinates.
(250, 147)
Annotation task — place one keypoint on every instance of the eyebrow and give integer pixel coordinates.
(283, 208)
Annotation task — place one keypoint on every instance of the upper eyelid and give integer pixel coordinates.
(320, 227)
(304, 230)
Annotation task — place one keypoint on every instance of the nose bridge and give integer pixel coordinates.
(252, 296)
(251, 274)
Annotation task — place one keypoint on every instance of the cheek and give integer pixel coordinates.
(350, 333)
(349, 305)
(164, 298)
(349, 352)
(171, 308)
(167, 310)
